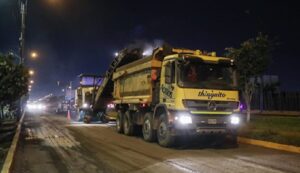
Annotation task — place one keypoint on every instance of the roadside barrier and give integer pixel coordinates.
(8, 163)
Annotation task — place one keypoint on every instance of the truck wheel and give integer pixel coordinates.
(148, 132)
(128, 125)
(164, 136)
(119, 122)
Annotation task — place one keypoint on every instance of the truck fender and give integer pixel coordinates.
(158, 110)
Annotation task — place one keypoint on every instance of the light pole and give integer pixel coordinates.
(23, 11)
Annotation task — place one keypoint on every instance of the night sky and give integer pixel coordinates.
(81, 36)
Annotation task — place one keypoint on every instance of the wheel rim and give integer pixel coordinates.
(146, 128)
(162, 130)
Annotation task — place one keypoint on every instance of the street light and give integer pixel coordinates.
(31, 72)
(31, 81)
(34, 55)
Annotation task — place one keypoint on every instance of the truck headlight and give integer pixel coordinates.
(235, 120)
(110, 105)
(85, 105)
(184, 118)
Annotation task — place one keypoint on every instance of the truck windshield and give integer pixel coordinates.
(194, 73)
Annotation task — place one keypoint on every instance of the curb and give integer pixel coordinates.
(274, 113)
(12, 150)
(272, 145)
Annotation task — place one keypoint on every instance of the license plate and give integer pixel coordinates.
(212, 121)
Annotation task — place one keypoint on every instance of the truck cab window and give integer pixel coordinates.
(196, 74)
(170, 72)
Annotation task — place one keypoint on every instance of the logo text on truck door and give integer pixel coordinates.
(211, 95)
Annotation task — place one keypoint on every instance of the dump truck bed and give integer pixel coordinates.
(133, 83)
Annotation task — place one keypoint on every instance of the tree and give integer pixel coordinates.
(252, 59)
(13, 81)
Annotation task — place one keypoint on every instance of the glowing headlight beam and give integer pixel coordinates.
(234, 120)
(85, 105)
(36, 106)
(110, 105)
(184, 119)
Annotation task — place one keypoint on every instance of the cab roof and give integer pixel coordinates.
(187, 53)
(205, 58)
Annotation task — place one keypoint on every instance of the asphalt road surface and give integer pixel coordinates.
(49, 143)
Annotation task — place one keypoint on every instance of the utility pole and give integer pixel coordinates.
(23, 11)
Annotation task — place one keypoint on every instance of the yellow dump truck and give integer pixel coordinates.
(176, 92)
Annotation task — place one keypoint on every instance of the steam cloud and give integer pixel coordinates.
(146, 46)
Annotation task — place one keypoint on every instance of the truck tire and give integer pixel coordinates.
(164, 136)
(148, 132)
(119, 122)
(128, 125)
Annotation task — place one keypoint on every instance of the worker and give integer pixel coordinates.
(192, 74)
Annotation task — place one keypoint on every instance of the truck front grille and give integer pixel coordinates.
(207, 105)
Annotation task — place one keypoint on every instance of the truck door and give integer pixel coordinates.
(167, 87)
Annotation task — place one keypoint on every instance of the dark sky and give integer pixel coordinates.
(76, 36)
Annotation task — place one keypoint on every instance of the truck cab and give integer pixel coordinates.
(200, 94)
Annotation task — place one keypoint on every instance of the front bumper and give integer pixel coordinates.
(201, 132)
(204, 125)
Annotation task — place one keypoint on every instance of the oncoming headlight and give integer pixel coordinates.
(111, 105)
(35, 106)
(184, 118)
(235, 120)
